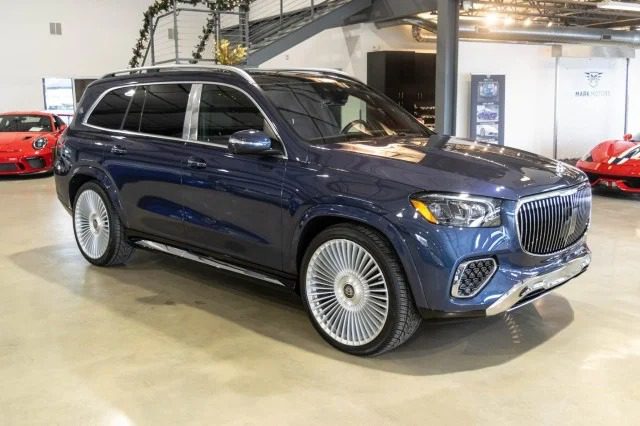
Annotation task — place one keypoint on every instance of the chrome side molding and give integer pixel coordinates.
(206, 260)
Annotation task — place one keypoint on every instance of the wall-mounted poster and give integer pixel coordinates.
(487, 108)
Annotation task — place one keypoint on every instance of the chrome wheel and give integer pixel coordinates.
(92, 224)
(347, 292)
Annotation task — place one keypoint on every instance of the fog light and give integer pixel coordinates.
(472, 276)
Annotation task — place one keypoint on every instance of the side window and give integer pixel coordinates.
(132, 122)
(111, 109)
(224, 111)
(163, 109)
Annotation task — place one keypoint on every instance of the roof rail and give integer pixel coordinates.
(238, 71)
(308, 69)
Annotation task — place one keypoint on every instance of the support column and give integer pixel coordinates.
(447, 66)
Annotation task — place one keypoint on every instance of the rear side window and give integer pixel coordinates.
(132, 121)
(111, 109)
(224, 111)
(157, 109)
(164, 109)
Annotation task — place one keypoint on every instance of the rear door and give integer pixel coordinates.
(233, 202)
(146, 158)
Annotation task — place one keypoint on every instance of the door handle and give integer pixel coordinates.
(196, 163)
(118, 150)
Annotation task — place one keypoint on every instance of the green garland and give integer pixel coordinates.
(208, 27)
(160, 6)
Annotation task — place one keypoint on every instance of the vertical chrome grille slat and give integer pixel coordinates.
(551, 223)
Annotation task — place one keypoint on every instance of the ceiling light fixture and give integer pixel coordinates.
(491, 19)
(549, 24)
(527, 22)
(619, 5)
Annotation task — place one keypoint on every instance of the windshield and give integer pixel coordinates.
(25, 123)
(324, 110)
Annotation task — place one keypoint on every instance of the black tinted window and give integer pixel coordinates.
(111, 109)
(132, 122)
(164, 109)
(224, 111)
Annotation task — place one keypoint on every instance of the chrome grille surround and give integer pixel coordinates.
(551, 222)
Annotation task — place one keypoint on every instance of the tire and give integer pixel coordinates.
(347, 272)
(97, 228)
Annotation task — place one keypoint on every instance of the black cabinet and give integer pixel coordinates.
(409, 78)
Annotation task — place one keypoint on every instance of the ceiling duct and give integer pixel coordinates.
(529, 34)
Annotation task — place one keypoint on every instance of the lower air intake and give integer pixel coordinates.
(472, 276)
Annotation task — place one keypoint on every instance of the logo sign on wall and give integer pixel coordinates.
(487, 108)
(593, 79)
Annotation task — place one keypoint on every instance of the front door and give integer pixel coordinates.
(233, 202)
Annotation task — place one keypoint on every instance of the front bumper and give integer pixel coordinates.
(625, 177)
(534, 287)
(38, 162)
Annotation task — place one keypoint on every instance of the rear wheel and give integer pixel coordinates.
(98, 231)
(355, 291)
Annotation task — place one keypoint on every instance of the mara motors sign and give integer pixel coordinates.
(593, 80)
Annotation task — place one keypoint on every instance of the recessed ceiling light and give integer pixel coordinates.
(619, 5)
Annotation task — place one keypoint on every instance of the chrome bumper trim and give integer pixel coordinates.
(541, 282)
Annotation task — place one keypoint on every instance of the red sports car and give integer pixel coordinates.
(614, 164)
(28, 141)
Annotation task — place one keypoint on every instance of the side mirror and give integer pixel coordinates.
(628, 137)
(249, 142)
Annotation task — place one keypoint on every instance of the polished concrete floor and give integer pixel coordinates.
(166, 341)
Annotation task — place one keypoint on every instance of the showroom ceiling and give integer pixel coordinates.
(589, 13)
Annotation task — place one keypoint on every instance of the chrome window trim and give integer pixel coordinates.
(194, 110)
(194, 99)
(542, 196)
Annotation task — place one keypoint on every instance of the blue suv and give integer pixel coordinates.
(311, 180)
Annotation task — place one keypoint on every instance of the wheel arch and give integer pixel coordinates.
(323, 217)
(83, 174)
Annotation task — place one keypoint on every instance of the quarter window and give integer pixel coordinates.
(132, 122)
(224, 111)
(111, 109)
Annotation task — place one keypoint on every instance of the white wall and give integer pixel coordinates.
(529, 70)
(529, 82)
(97, 37)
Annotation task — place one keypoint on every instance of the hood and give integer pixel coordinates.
(616, 152)
(19, 141)
(448, 164)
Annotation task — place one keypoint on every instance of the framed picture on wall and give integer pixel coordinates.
(487, 108)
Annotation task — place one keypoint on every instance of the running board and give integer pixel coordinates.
(206, 260)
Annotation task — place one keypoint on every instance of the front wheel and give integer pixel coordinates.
(355, 291)
(98, 231)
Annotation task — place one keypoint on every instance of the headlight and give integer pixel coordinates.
(39, 143)
(460, 210)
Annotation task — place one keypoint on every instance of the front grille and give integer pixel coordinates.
(549, 223)
(8, 167)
